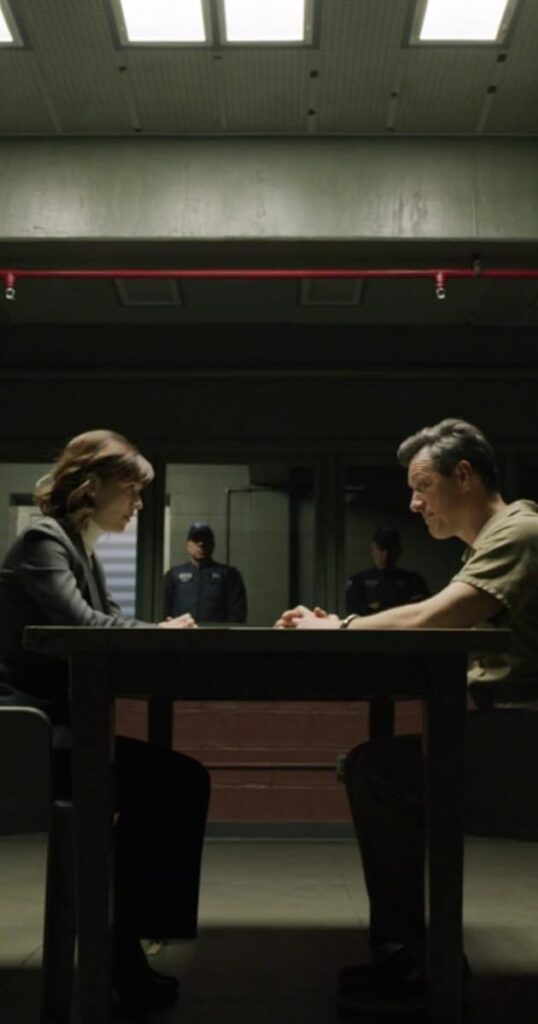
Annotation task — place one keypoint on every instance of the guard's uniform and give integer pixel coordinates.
(212, 593)
(375, 589)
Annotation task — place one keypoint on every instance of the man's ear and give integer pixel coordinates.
(464, 472)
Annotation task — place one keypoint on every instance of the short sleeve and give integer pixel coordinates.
(504, 566)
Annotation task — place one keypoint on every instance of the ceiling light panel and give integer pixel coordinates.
(462, 21)
(161, 21)
(8, 30)
(267, 21)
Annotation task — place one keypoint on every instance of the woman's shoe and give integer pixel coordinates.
(164, 979)
(140, 995)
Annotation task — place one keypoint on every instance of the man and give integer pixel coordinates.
(454, 487)
(384, 586)
(210, 591)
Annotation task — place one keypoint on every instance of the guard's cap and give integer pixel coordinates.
(388, 538)
(201, 531)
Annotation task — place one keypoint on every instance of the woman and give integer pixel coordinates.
(51, 575)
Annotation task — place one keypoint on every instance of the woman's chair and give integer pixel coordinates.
(26, 805)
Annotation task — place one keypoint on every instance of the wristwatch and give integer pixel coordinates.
(345, 622)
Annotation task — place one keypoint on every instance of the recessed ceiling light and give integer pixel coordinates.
(482, 21)
(163, 21)
(265, 21)
(6, 33)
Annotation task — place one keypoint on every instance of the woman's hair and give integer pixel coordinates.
(66, 491)
(447, 443)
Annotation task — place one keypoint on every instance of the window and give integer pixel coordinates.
(117, 553)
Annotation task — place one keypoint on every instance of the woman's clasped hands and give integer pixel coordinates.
(302, 617)
(179, 622)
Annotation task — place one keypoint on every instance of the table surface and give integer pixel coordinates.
(61, 640)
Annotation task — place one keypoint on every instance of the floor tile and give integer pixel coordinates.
(278, 920)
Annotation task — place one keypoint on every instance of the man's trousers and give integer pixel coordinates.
(385, 784)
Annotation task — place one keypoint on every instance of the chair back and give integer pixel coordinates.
(25, 770)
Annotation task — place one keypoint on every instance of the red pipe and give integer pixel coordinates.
(270, 273)
(439, 276)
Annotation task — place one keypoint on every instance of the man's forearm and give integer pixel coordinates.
(457, 606)
(407, 616)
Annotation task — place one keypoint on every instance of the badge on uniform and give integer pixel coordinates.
(185, 577)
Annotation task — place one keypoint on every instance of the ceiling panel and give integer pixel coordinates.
(265, 91)
(174, 90)
(359, 77)
(516, 103)
(359, 63)
(23, 105)
(75, 59)
(444, 90)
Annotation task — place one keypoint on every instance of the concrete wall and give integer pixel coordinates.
(207, 190)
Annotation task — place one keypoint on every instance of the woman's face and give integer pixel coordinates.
(116, 501)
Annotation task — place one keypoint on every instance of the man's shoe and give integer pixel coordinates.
(396, 966)
(382, 996)
(396, 984)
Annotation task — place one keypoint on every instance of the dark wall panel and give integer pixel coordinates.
(172, 410)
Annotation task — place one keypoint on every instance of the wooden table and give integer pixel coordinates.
(265, 664)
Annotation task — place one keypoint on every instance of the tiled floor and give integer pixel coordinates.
(278, 919)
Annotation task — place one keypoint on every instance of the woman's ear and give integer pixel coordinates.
(91, 488)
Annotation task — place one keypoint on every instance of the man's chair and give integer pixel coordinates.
(26, 805)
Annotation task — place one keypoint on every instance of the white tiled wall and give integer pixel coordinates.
(259, 530)
(15, 479)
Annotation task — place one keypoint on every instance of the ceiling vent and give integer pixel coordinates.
(331, 291)
(148, 291)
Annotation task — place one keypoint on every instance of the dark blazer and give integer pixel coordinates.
(47, 579)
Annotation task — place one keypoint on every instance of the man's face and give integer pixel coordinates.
(379, 556)
(437, 498)
(200, 548)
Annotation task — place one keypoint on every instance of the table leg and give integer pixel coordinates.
(93, 741)
(445, 746)
(381, 718)
(161, 721)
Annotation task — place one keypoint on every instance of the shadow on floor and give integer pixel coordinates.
(20, 993)
(277, 976)
(498, 999)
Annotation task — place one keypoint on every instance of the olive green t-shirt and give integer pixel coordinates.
(503, 562)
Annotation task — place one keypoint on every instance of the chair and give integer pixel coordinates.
(26, 805)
